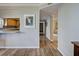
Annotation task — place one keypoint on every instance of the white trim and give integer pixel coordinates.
(19, 47)
(61, 52)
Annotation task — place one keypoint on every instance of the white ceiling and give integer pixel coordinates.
(22, 4)
(46, 9)
(51, 9)
(19, 5)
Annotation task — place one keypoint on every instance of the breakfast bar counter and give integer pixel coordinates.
(76, 48)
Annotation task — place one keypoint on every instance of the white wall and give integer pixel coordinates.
(1, 23)
(29, 37)
(54, 18)
(68, 27)
(48, 27)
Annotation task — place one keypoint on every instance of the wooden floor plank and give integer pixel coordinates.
(7, 52)
(13, 52)
(45, 50)
(30, 52)
(2, 51)
(19, 52)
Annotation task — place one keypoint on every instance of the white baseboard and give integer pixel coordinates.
(61, 52)
(19, 47)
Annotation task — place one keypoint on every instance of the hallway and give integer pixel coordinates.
(45, 43)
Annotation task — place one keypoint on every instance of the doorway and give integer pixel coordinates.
(42, 33)
(54, 32)
(42, 28)
(50, 14)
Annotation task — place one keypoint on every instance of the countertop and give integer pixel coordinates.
(75, 43)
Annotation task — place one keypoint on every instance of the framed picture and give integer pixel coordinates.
(29, 21)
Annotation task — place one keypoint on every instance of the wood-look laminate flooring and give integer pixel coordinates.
(45, 43)
(44, 50)
(29, 52)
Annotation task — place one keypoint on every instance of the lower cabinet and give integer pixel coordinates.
(76, 50)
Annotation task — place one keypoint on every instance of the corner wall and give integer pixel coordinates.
(68, 29)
